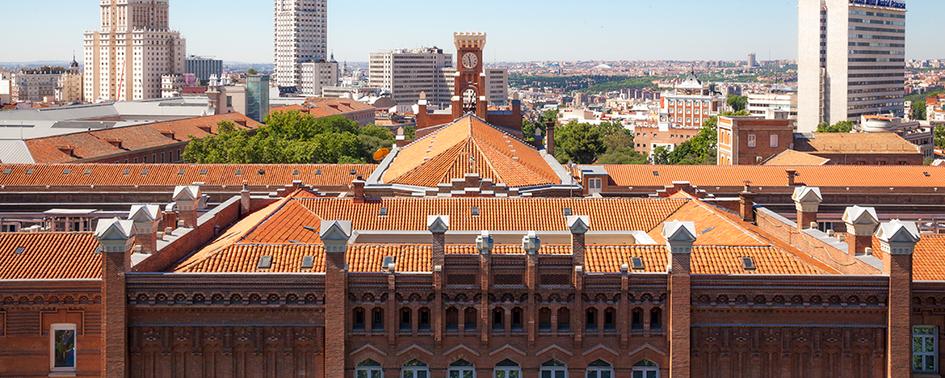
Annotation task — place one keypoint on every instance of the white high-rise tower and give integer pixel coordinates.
(851, 60)
(125, 59)
(301, 36)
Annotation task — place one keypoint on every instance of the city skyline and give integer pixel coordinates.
(516, 34)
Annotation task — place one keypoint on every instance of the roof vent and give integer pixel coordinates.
(382, 212)
(238, 172)
(261, 172)
(7, 171)
(87, 172)
(66, 171)
(29, 171)
(318, 172)
(656, 173)
(637, 262)
(308, 262)
(567, 212)
(309, 228)
(203, 172)
(19, 250)
(144, 171)
(927, 174)
(295, 172)
(748, 263)
(180, 172)
(353, 172)
(265, 262)
(475, 211)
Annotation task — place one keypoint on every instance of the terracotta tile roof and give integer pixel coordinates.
(170, 175)
(854, 143)
(710, 176)
(288, 230)
(469, 145)
(99, 144)
(48, 256)
(928, 261)
(325, 107)
(497, 214)
(791, 157)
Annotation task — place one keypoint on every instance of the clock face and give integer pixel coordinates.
(470, 60)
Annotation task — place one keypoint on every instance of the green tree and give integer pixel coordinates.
(530, 125)
(839, 127)
(702, 149)
(661, 155)
(580, 143)
(626, 155)
(940, 136)
(737, 103)
(919, 110)
(252, 72)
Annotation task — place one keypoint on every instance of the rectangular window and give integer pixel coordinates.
(924, 349)
(774, 140)
(594, 185)
(752, 140)
(62, 339)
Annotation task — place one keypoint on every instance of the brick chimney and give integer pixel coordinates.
(807, 201)
(401, 138)
(791, 177)
(335, 236)
(357, 190)
(897, 241)
(485, 243)
(550, 137)
(680, 237)
(746, 204)
(531, 243)
(579, 225)
(246, 201)
(146, 221)
(861, 224)
(187, 202)
(116, 240)
(438, 226)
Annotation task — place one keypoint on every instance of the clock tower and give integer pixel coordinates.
(469, 93)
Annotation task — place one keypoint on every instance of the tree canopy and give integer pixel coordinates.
(292, 138)
(940, 136)
(700, 150)
(607, 143)
(737, 103)
(839, 127)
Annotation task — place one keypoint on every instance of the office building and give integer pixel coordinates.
(405, 73)
(689, 104)
(497, 86)
(780, 105)
(48, 84)
(257, 97)
(752, 60)
(318, 75)
(851, 60)
(301, 35)
(134, 46)
(203, 68)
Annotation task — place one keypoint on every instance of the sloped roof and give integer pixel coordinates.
(88, 145)
(287, 231)
(469, 146)
(325, 107)
(928, 260)
(850, 143)
(708, 176)
(49, 256)
(792, 157)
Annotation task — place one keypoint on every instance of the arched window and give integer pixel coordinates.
(368, 369)
(590, 319)
(469, 319)
(423, 319)
(405, 322)
(645, 369)
(600, 369)
(544, 319)
(564, 320)
(507, 369)
(498, 319)
(377, 319)
(656, 319)
(517, 319)
(357, 319)
(553, 369)
(636, 319)
(610, 319)
(415, 369)
(461, 369)
(452, 319)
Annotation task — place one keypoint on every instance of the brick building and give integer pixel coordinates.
(751, 141)
(690, 280)
(319, 107)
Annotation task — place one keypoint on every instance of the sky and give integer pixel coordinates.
(519, 30)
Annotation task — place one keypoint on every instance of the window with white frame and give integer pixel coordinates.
(924, 349)
(62, 339)
(752, 140)
(461, 369)
(368, 369)
(415, 369)
(594, 185)
(645, 369)
(507, 369)
(774, 141)
(600, 369)
(554, 369)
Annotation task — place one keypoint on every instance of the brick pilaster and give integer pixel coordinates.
(898, 240)
(484, 244)
(335, 236)
(116, 241)
(680, 237)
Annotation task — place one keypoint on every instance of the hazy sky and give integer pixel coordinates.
(241, 30)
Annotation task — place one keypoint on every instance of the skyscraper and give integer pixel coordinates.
(125, 59)
(408, 72)
(301, 36)
(851, 60)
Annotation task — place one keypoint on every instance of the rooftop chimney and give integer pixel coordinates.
(146, 221)
(861, 224)
(357, 190)
(898, 240)
(187, 202)
(579, 225)
(807, 201)
(438, 226)
(550, 137)
(791, 177)
(485, 243)
(531, 243)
